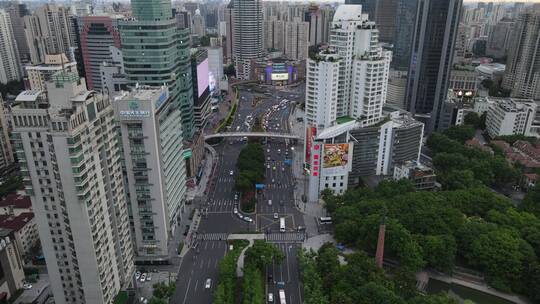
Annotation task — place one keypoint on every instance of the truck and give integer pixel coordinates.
(282, 299)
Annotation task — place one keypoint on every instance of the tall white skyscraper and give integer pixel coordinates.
(10, 63)
(197, 24)
(247, 27)
(321, 89)
(70, 161)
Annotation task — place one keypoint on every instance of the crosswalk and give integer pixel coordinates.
(287, 237)
(212, 236)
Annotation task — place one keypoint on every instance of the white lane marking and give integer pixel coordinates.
(187, 291)
(196, 285)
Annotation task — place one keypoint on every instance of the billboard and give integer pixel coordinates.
(336, 158)
(311, 132)
(280, 76)
(202, 77)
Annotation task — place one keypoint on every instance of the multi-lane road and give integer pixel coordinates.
(201, 263)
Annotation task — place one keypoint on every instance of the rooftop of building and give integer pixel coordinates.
(490, 68)
(15, 223)
(142, 92)
(514, 104)
(53, 62)
(17, 201)
(344, 119)
(347, 12)
(28, 95)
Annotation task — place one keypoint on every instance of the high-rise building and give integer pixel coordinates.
(10, 63)
(319, 19)
(6, 151)
(296, 39)
(97, 34)
(70, 161)
(198, 26)
(498, 43)
(321, 89)
(17, 11)
(113, 77)
(431, 58)
(247, 40)
(49, 30)
(274, 34)
(161, 57)
(404, 28)
(522, 74)
(364, 65)
(155, 171)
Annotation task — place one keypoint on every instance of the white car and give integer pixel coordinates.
(143, 277)
(137, 275)
(149, 277)
(276, 216)
(267, 166)
(208, 283)
(271, 297)
(27, 286)
(231, 173)
(240, 216)
(235, 210)
(248, 219)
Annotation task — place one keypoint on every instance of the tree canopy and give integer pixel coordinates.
(474, 225)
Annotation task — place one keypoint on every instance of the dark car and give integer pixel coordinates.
(270, 278)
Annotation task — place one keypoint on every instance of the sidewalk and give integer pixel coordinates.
(193, 194)
(311, 211)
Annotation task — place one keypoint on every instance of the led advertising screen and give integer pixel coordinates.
(335, 158)
(202, 77)
(280, 76)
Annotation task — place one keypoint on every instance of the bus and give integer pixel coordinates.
(325, 220)
(282, 299)
(282, 224)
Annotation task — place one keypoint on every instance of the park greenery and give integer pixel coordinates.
(357, 280)
(250, 167)
(257, 258)
(469, 225)
(461, 167)
(226, 287)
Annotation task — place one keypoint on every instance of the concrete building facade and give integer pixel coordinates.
(10, 62)
(70, 161)
(510, 116)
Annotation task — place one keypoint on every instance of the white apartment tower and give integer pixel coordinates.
(48, 31)
(364, 67)
(70, 160)
(247, 35)
(155, 171)
(322, 81)
(10, 63)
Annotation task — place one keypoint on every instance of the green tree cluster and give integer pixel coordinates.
(474, 225)
(475, 120)
(461, 167)
(162, 292)
(257, 258)
(356, 281)
(250, 167)
(224, 293)
(11, 185)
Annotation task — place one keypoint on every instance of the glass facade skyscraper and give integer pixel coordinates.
(431, 58)
(156, 53)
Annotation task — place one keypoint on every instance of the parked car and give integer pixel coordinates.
(143, 277)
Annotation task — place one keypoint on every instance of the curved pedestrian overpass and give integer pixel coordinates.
(251, 134)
